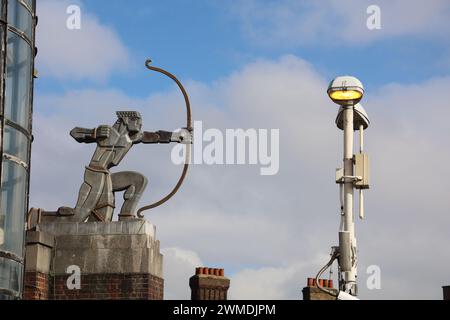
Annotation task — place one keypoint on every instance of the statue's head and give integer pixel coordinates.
(131, 119)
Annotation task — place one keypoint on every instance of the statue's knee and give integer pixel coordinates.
(140, 181)
(129, 193)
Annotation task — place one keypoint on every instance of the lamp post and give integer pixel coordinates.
(347, 91)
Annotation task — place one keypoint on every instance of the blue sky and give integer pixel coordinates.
(204, 41)
(261, 64)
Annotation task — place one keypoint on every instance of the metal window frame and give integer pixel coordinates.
(11, 256)
(10, 293)
(6, 122)
(18, 127)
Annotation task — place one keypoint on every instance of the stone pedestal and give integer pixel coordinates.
(94, 260)
(38, 259)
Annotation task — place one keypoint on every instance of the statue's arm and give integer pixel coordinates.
(162, 136)
(156, 137)
(90, 135)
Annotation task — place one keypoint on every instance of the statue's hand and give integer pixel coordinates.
(103, 132)
(183, 136)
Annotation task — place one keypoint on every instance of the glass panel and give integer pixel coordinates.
(1, 9)
(10, 275)
(2, 57)
(20, 17)
(29, 3)
(18, 80)
(15, 143)
(12, 207)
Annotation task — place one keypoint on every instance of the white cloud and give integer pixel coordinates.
(267, 232)
(265, 283)
(92, 52)
(406, 231)
(335, 22)
(273, 283)
(179, 266)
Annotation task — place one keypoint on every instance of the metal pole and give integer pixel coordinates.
(348, 219)
(361, 194)
(361, 139)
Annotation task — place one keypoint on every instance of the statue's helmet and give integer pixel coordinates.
(132, 119)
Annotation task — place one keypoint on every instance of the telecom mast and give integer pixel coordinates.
(347, 91)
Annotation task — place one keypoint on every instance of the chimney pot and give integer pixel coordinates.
(209, 288)
(330, 283)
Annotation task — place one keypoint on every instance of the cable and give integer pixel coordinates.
(330, 292)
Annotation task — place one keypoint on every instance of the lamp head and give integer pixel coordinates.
(345, 90)
(360, 117)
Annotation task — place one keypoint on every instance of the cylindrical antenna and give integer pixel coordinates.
(361, 194)
(361, 204)
(361, 139)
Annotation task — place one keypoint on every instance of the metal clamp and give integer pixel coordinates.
(345, 179)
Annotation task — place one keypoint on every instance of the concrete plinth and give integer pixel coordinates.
(116, 260)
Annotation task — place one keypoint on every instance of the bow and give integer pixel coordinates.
(188, 147)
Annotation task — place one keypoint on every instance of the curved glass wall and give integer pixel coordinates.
(17, 24)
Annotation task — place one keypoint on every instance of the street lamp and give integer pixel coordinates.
(347, 91)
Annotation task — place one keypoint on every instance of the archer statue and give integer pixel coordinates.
(96, 200)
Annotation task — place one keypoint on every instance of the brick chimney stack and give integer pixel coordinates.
(312, 292)
(446, 292)
(209, 284)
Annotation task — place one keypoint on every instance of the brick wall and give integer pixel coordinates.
(446, 290)
(312, 292)
(36, 286)
(209, 284)
(39, 286)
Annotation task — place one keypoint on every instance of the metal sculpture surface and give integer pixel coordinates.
(96, 198)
